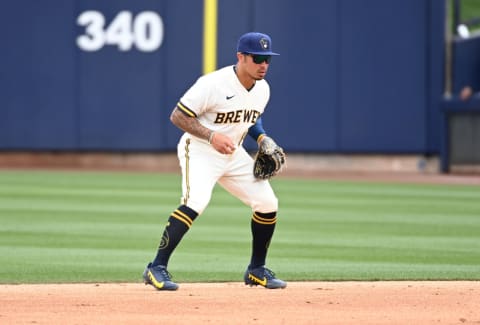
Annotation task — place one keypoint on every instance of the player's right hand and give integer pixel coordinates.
(223, 143)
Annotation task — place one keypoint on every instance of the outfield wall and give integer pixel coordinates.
(353, 76)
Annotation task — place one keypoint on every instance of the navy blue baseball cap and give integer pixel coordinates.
(255, 43)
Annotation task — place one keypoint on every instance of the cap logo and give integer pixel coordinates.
(264, 43)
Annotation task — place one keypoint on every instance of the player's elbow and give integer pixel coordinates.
(180, 120)
(176, 118)
(172, 116)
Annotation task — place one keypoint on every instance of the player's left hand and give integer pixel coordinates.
(269, 160)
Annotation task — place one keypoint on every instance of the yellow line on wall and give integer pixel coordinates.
(209, 35)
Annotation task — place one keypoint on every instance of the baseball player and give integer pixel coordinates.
(217, 113)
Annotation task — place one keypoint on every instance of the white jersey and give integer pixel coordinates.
(221, 103)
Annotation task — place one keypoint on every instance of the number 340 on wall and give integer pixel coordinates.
(145, 31)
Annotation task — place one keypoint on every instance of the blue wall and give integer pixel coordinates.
(353, 76)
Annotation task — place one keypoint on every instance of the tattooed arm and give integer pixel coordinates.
(189, 124)
(219, 141)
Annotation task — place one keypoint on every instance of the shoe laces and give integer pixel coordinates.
(269, 274)
(164, 273)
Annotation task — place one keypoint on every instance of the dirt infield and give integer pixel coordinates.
(456, 302)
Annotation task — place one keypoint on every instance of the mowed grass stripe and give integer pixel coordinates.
(95, 226)
(120, 206)
(37, 191)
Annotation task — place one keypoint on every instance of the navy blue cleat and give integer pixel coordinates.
(158, 277)
(264, 277)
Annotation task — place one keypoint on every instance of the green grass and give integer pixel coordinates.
(104, 227)
(470, 9)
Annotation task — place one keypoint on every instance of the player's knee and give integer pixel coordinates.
(197, 204)
(267, 204)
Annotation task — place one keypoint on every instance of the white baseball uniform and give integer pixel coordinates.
(221, 103)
